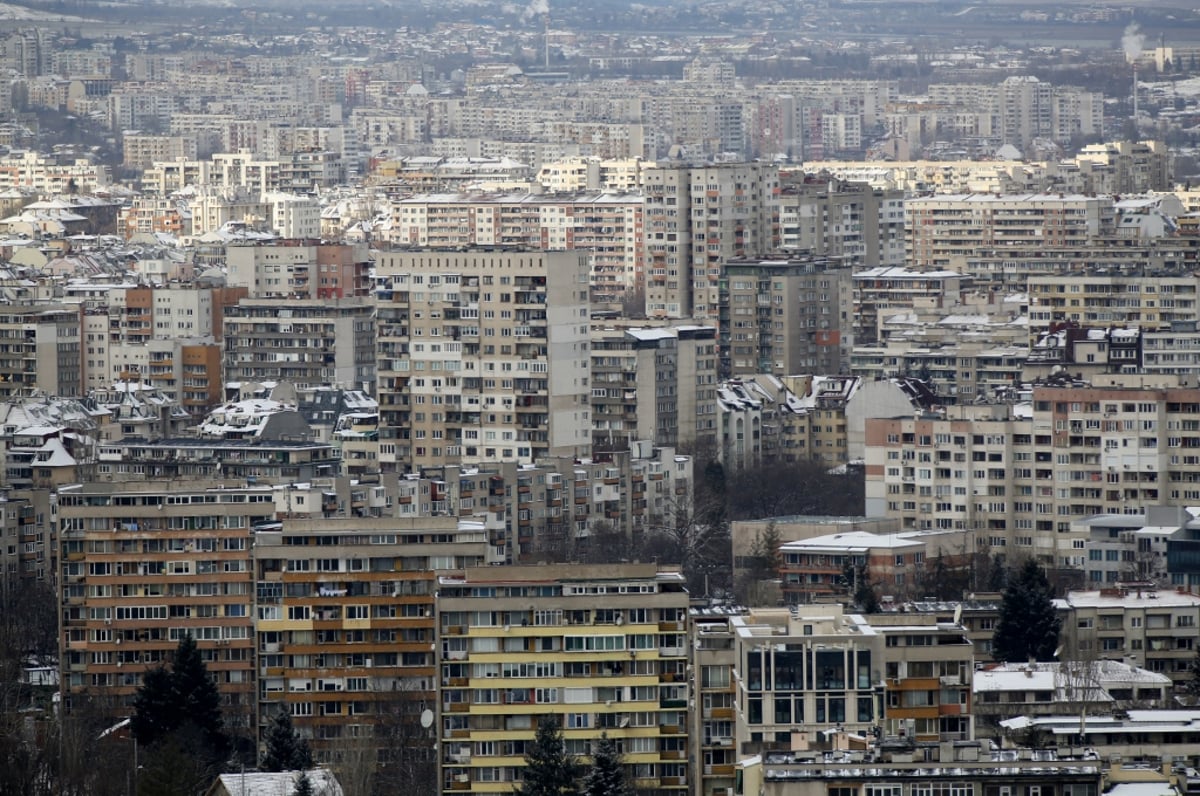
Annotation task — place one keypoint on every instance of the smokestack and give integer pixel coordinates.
(547, 18)
(1135, 96)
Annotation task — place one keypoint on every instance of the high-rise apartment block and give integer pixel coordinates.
(602, 649)
(143, 563)
(607, 226)
(862, 225)
(482, 356)
(698, 217)
(655, 384)
(785, 316)
(300, 269)
(944, 226)
(344, 620)
(41, 350)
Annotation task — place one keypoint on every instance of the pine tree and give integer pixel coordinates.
(1192, 684)
(286, 750)
(181, 703)
(549, 770)
(199, 700)
(1028, 625)
(606, 776)
(304, 786)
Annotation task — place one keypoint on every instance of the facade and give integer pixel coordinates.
(879, 292)
(43, 349)
(1157, 630)
(344, 625)
(785, 316)
(860, 225)
(144, 563)
(652, 384)
(944, 226)
(308, 342)
(300, 269)
(482, 356)
(611, 657)
(608, 226)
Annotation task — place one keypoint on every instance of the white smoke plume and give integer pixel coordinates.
(1131, 42)
(535, 9)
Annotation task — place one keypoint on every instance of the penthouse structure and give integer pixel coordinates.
(607, 226)
(611, 657)
(482, 356)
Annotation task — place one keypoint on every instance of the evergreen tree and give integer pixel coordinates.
(286, 750)
(304, 786)
(1028, 625)
(549, 770)
(199, 700)
(180, 709)
(606, 776)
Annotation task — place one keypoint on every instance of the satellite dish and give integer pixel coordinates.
(427, 718)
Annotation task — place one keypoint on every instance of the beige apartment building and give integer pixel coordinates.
(482, 356)
(944, 226)
(600, 649)
(300, 269)
(1149, 302)
(1155, 629)
(608, 226)
(1020, 474)
(881, 292)
(696, 219)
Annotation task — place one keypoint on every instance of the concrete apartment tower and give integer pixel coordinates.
(482, 356)
(696, 218)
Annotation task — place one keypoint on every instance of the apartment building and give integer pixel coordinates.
(1097, 299)
(696, 219)
(713, 714)
(652, 384)
(305, 341)
(300, 269)
(1123, 167)
(600, 649)
(142, 151)
(785, 316)
(879, 292)
(803, 671)
(608, 226)
(482, 356)
(818, 567)
(1136, 623)
(1021, 474)
(28, 547)
(861, 225)
(344, 621)
(41, 349)
(143, 564)
(941, 227)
